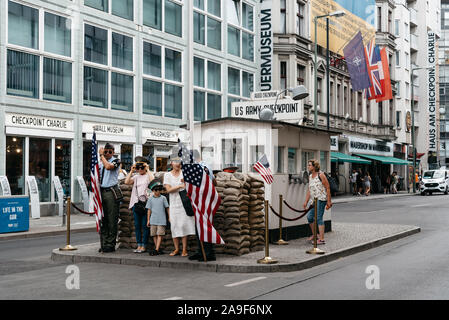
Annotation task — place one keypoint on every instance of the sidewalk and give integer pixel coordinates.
(50, 226)
(345, 239)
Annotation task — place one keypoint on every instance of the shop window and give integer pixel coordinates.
(57, 35)
(126, 156)
(95, 44)
(57, 84)
(63, 164)
(122, 51)
(279, 159)
(122, 92)
(23, 25)
(292, 160)
(173, 18)
(152, 13)
(231, 153)
(152, 97)
(256, 152)
(152, 59)
(23, 74)
(15, 164)
(39, 166)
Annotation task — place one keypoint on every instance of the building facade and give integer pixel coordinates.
(133, 71)
(444, 85)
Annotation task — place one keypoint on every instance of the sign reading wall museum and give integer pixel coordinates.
(37, 122)
(370, 146)
(110, 129)
(285, 109)
(266, 46)
(431, 92)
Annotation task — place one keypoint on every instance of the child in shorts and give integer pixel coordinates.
(157, 206)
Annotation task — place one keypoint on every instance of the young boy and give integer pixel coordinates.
(157, 206)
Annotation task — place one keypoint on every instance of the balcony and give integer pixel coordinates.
(413, 17)
(413, 42)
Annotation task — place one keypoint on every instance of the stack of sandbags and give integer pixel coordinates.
(256, 213)
(244, 201)
(126, 234)
(219, 217)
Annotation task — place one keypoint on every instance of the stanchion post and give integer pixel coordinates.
(281, 242)
(68, 247)
(267, 259)
(315, 250)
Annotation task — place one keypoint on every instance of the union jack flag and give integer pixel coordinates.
(203, 196)
(375, 70)
(95, 184)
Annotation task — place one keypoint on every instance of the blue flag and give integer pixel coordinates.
(355, 60)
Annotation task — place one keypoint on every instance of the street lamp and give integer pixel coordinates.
(298, 93)
(413, 124)
(336, 14)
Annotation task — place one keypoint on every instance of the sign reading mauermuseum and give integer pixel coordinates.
(160, 135)
(432, 96)
(37, 122)
(285, 109)
(370, 146)
(266, 46)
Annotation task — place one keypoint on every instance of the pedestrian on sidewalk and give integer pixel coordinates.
(394, 182)
(367, 180)
(359, 182)
(181, 224)
(353, 178)
(158, 211)
(138, 201)
(109, 170)
(387, 183)
(318, 188)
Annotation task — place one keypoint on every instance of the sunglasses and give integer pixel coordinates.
(140, 167)
(109, 151)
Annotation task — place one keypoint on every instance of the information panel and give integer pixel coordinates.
(14, 214)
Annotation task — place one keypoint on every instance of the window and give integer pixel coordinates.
(240, 29)
(319, 91)
(207, 100)
(306, 157)
(213, 106)
(213, 76)
(57, 35)
(213, 31)
(301, 74)
(292, 167)
(57, 83)
(63, 161)
(121, 92)
(95, 44)
(379, 18)
(122, 51)
(279, 159)
(152, 97)
(213, 7)
(173, 101)
(23, 25)
(283, 24)
(339, 106)
(173, 65)
(234, 81)
(380, 113)
(15, 164)
(398, 61)
(95, 87)
(231, 153)
(300, 19)
(239, 89)
(199, 28)
(22, 74)
(173, 18)
(359, 106)
(283, 75)
(396, 27)
(152, 13)
(40, 166)
(247, 84)
(407, 61)
(198, 68)
(256, 152)
(323, 161)
(120, 8)
(152, 59)
(199, 106)
(390, 21)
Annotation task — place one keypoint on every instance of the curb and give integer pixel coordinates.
(57, 256)
(362, 198)
(28, 235)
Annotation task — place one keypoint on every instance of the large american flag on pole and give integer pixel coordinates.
(95, 183)
(263, 167)
(204, 198)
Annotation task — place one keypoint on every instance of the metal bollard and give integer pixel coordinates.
(280, 242)
(315, 250)
(68, 247)
(267, 259)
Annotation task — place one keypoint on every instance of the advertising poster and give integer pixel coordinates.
(359, 15)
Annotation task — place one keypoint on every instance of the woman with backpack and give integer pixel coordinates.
(318, 188)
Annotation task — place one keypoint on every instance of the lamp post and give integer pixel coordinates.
(337, 14)
(298, 93)
(413, 124)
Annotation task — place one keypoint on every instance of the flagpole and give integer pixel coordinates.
(202, 250)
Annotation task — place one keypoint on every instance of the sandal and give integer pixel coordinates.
(175, 253)
(185, 254)
(319, 241)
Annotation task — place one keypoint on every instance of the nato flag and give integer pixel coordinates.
(356, 62)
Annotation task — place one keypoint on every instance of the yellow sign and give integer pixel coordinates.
(342, 29)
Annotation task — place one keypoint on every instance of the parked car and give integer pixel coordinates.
(435, 181)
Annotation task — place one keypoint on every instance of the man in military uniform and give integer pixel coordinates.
(109, 171)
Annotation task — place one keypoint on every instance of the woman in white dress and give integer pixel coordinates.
(181, 224)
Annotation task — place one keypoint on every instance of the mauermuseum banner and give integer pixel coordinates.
(432, 92)
(360, 15)
(266, 46)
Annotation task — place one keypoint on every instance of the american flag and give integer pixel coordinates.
(95, 183)
(204, 198)
(375, 70)
(263, 167)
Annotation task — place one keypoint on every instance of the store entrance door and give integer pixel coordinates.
(161, 164)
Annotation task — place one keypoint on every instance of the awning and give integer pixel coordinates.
(385, 160)
(341, 157)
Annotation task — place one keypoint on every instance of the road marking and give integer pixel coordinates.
(174, 298)
(245, 281)
(420, 205)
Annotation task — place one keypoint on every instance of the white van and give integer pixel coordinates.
(435, 181)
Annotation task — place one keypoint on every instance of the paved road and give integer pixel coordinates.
(411, 268)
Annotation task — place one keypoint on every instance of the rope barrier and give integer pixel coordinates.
(291, 219)
(82, 211)
(296, 210)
